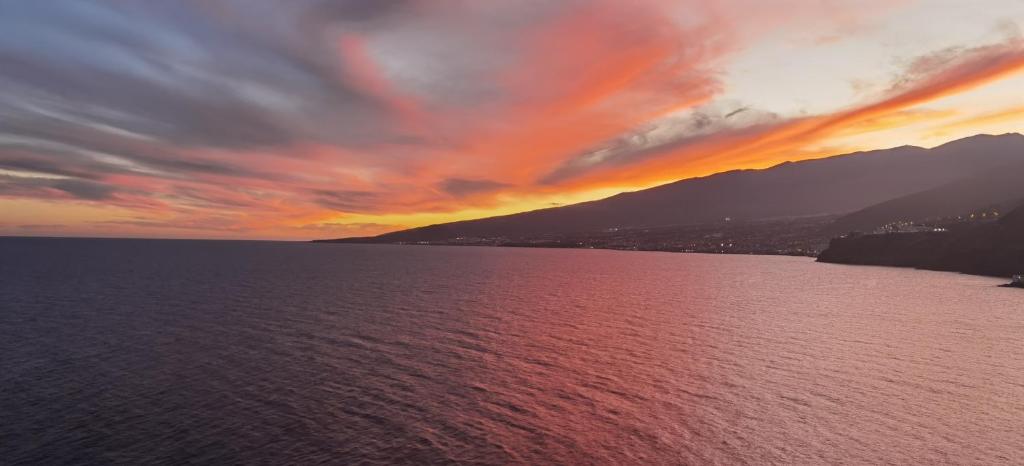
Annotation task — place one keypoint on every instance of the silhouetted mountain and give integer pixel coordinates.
(999, 190)
(993, 248)
(834, 185)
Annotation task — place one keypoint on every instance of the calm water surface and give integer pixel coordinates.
(170, 352)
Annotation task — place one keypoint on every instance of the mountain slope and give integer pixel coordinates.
(1001, 189)
(833, 185)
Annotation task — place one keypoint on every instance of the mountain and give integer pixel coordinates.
(833, 185)
(993, 248)
(999, 190)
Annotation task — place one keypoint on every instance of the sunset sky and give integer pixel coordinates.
(310, 119)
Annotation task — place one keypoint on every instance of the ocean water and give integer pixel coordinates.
(175, 352)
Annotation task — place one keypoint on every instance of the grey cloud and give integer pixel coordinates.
(31, 164)
(920, 68)
(458, 57)
(350, 227)
(220, 223)
(713, 120)
(735, 112)
(58, 148)
(198, 198)
(41, 188)
(87, 190)
(42, 226)
(179, 89)
(361, 10)
(346, 201)
(464, 187)
(92, 89)
(189, 73)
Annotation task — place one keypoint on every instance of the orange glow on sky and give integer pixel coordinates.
(426, 112)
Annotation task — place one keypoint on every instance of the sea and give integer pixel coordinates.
(223, 352)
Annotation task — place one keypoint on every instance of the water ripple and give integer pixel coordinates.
(155, 352)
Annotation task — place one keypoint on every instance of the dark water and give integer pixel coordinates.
(167, 352)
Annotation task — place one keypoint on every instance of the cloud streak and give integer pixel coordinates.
(288, 119)
(928, 78)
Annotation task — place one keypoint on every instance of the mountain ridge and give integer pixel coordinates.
(837, 184)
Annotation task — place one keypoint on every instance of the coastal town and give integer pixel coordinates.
(802, 236)
(799, 237)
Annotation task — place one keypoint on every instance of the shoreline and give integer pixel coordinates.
(538, 246)
(707, 253)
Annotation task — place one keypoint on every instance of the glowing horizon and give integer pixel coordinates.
(318, 119)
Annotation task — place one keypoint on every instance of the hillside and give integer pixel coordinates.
(998, 190)
(833, 185)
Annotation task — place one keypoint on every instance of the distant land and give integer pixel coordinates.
(792, 208)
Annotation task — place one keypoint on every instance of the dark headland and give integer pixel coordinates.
(993, 248)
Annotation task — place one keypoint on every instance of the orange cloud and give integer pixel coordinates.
(421, 112)
(789, 140)
(588, 76)
(364, 74)
(1013, 115)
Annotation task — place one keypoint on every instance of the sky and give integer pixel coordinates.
(308, 119)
